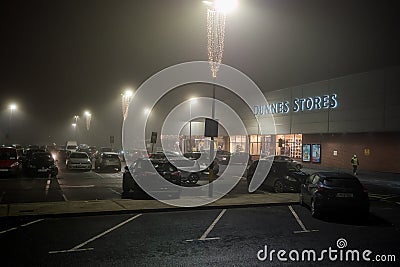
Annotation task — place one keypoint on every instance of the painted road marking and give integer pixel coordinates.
(23, 225)
(204, 236)
(79, 186)
(47, 186)
(64, 197)
(115, 191)
(78, 247)
(304, 229)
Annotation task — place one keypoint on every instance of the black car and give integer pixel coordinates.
(42, 164)
(282, 176)
(27, 157)
(335, 192)
(142, 169)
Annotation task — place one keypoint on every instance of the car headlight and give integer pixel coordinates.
(15, 164)
(291, 179)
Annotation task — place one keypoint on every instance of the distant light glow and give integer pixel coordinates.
(74, 125)
(12, 106)
(146, 111)
(225, 5)
(88, 116)
(193, 100)
(126, 99)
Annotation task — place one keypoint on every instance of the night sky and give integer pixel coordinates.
(59, 58)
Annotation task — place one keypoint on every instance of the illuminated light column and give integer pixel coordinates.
(192, 101)
(11, 107)
(88, 117)
(216, 18)
(126, 99)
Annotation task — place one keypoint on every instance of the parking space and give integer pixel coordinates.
(204, 235)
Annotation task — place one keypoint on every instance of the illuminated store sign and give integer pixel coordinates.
(298, 104)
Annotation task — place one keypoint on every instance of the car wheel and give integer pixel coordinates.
(298, 166)
(278, 187)
(314, 209)
(193, 178)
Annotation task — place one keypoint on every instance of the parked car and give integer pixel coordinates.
(205, 169)
(282, 176)
(108, 161)
(27, 157)
(223, 157)
(9, 162)
(78, 161)
(141, 169)
(42, 163)
(327, 192)
(288, 159)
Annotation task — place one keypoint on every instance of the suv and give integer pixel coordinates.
(108, 160)
(283, 176)
(9, 163)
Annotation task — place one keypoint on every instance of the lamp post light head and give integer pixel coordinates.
(87, 113)
(224, 6)
(12, 106)
(73, 125)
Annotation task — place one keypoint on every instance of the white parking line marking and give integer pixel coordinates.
(64, 197)
(22, 225)
(69, 250)
(304, 229)
(8, 230)
(398, 203)
(79, 186)
(78, 247)
(203, 237)
(115, 191)
(47, 186)
(29, 223)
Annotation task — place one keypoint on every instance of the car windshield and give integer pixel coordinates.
(7, 154)
(78, 156)
(71, 147)
(341, 182)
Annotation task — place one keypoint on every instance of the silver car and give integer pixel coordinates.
(78, 161)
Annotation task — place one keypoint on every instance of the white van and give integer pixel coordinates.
(71, 146)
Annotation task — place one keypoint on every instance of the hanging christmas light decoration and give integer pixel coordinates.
(88, 116)
(126, 99)
(216, 18)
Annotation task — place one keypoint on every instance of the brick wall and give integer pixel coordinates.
(384, 150)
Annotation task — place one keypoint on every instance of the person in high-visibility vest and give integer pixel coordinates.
(355, 162)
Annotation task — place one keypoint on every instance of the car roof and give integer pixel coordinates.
(110, 153)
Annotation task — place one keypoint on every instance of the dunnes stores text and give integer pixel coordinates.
(299, 104)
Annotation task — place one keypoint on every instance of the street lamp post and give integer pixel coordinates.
(216, 17)
(192, 101)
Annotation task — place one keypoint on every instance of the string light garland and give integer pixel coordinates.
(216, 35)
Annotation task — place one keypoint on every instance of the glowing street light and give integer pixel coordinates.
(88, 117)
(126, 99)
(11, 107)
